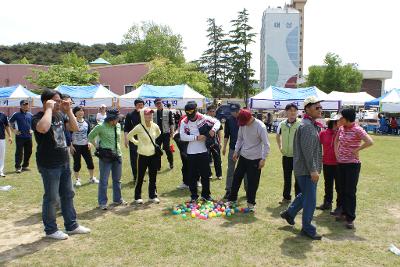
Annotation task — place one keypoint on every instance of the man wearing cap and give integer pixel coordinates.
(251, 150)
(285, 137)
(230, 134)
(307, 163)
(109, 135)
(165, 121)
(21, 124)
(194, 129)
(131, 120)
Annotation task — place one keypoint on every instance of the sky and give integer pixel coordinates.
(359, 31)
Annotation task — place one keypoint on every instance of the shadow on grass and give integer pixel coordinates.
(128, 185)
(30, 220)
(239, 219)
(295, 246)
(24, 250)
(176, 193)
(125, 211)
(275, 211)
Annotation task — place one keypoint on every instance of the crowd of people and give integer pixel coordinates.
(307, 150)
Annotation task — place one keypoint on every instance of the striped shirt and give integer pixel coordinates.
(349, 138)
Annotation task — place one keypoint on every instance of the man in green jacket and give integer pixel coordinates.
(284, 137)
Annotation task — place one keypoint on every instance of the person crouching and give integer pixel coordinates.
(147, 132)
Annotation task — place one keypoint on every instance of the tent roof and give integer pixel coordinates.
(350, 99)
(280, 93)
(388, 97)
(100, 61)
(2, 63)
(16, 92)
(86, 92)
(181, 91)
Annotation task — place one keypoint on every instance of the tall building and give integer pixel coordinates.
(299, 5)
(280, 47)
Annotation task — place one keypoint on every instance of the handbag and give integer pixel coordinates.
(157, 148)
(107, 154)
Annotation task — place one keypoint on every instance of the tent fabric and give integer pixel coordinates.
(176, 95)
(12, 95)
(388, 97)
(88, 96)
(100, 61)
(2, 63)
(350, 99)
(277, 98)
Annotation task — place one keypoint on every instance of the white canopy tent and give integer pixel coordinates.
(391, 103)
(276, 98)
(89, 96)
(176, 95)
(350, 99)
(12, 95)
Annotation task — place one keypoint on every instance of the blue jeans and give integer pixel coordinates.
(105, 168)
(306, 200)
(57, 181)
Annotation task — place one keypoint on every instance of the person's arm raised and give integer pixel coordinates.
(44, 124)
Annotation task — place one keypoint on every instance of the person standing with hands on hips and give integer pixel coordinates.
(307, 165)
(251, 150)
(53, 163)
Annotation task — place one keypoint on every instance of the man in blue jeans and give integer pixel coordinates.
(307, 161)
(53, 163)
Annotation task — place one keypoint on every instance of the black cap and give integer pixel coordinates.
(138, 100)
(234, 107)
(157, 100)
(112, 114)
(23, 102)
(190, 105)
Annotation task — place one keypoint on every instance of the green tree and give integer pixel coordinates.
(114, 60)
(213, 60)
(150, 41)
(164, 72)
(240, 38)
(334, 75)
(23, 60)
(73, 71)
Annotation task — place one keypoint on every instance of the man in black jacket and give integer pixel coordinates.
(132, 119)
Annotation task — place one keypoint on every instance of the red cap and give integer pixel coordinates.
(147, 111)
(244, 117)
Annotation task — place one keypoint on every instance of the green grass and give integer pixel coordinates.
(147, 236)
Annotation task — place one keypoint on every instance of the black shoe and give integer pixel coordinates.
(325, 206)
(313, 237)
(285, 215)
(25, 169)
(350, 225)
(336, 212)
(171, 166)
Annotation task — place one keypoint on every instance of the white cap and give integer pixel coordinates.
(103, 106)
(311, 100)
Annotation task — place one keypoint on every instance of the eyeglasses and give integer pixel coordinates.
(189, 111)
(25, 104)
(318, 108)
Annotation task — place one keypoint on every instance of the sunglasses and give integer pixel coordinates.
(25, 104)
(189, 111)
(318, 108)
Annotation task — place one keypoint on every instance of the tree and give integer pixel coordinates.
(23, 60)
(334, 75)
(150, 41)
(73, 71)
(240, 39)
(114, 60)
(164, 72)
(213, 60)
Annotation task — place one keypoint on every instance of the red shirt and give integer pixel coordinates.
(327, 139)
(349, 139)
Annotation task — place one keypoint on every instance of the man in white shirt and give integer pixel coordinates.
(196, 128)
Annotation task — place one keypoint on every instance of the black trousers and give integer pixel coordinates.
(185, 169)
(215, 155)
(199, 164)
(250, 168)
(144, 163)
(287, 166)
(331, 177)
(164, 139)
(348, 177)
(23, 150)
(84, 151)
(133, 155)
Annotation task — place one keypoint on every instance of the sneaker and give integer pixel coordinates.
(103, 207)
(2, 175)
(121, 203)
(325, 206)
(199, 184)
(251, 207)
(93, 180)
(350, 225)
(336, 212)
(25, 169)
(211, 177)
(18, 170)
(289, 219)
(230, 203)
(313, 237)
(340, 218)
(182, 186)
(171, 166)
(139, 201)
(285, 201)
(79, 230)
(78, 182)
(59, 235)
(155, 200)
(219, 177)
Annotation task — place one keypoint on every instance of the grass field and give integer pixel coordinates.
(146, 236)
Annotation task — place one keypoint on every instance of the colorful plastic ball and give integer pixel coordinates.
(228, 214)
(246, 210)
(232, 212)
(184, 216)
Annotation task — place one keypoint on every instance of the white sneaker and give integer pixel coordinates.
(2, 175)
(59, 235)
(199, 184)
(155, 200)
(79, 230)
(93, 180)
(78, 182)
(219, 177)
(139, 201)
(251, 207)
(182, 186)
(211, 177)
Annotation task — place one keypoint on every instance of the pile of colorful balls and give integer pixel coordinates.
(207, 210)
